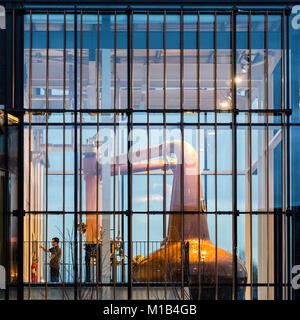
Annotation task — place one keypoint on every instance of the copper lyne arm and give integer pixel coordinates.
(186, 195)
(142, 167)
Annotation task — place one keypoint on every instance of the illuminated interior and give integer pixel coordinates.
(155, 149)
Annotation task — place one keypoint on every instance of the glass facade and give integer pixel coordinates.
(161, 147)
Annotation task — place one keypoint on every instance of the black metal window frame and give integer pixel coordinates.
(14, 105)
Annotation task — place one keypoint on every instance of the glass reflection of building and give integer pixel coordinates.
(224, 82)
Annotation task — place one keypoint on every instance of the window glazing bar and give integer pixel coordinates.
(274, 112)
(266, 74)
(183, 244)
(80, 153)
(99, 244)
(154, 212)
(19, 99)
(290, 219)
(13, 56)
(115, 137)
(64, 155)
(47, 154)
(216, 156)
(250, 152)
(165, 154)
(199, 155)
(148, 156)
(29, 153)
(129, 143)
(75, 159)
(234, 156)
(156, 9)
(283, 166)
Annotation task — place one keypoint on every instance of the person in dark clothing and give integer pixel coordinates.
(54, 259)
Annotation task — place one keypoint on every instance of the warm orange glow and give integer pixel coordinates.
(238, 80)
(225, 105)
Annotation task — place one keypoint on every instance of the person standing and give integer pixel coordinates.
(54, 259)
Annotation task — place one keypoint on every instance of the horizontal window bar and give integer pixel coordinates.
(156, 212)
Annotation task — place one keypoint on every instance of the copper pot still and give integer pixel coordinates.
(187, 254)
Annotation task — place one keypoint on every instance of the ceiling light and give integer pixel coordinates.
(238, 79)
(225, 105)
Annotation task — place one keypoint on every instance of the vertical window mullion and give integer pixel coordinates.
(250, 151)
(165, 156)
(64, 149)
(216, 154)
(80, 155)
(284, 170)
(75, 159)
(266, 71)
(183, 251)
(234, 156)
(30, 158)
(47, 136)
(114, 165)
(148, 146)
(98, 245)
(199, 155)
(129, 144)
(284, 216)
(13, 61)
(286, 102)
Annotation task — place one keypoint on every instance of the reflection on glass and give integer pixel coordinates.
(207, 60)
(243, 61)
(224, 77)
(173, 46)
(258, 62)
